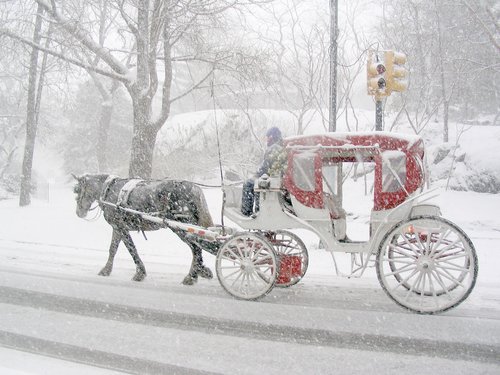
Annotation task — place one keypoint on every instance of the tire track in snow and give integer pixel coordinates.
(271, 332)
(92, 357)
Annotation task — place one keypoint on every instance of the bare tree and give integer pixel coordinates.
(158, 34)
(452, 56)
(298, 58)
(34, 97)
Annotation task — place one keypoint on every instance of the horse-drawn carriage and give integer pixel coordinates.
(424, 262)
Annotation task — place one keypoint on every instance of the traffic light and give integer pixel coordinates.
(376, 75)
(395, 71)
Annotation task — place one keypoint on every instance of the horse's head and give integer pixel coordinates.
(88, 190)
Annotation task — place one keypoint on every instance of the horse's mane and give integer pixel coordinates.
(101, 177)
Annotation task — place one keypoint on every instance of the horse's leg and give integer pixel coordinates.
(197, 263)
(197, 266)
(113, 247)
(140, 270)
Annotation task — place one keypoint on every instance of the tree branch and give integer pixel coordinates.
(74, 29)
(78, 63)
(483, 25)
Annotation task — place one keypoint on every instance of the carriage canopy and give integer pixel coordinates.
(313, 161)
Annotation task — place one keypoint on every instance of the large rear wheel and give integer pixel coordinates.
(247, 266)
(427, 264)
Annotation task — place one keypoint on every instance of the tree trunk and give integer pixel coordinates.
(31, 118)
(143, 139)
(141, 158)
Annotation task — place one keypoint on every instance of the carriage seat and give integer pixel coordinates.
(337, 215)
(334, 207)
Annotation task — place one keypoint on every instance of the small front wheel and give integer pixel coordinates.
(427, 264)
(247, 266)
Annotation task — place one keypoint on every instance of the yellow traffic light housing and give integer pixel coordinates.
(376, 75)
(395, 71)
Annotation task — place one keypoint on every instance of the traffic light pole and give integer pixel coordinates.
(379, 114)
(332, 123)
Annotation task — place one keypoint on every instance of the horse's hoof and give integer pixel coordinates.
(189, 280)
(206, 273)
(104, 272)
(139, 276)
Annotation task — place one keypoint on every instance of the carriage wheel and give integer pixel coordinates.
(290, 248)
(246, 266)
(427, 264)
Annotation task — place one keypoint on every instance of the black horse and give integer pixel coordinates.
(171, 199)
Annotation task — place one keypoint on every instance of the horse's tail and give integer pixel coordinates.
(204, 217)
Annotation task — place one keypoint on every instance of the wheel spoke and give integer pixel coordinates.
(413, 286)
(400, 250)
(234, 260)
(263, 276)
(262, 260)
(428, 245)
(448, 247)
(450, 277)
(229, 267)
(422, 290)
(227, 277)
(401, 270)
(232, 274)
(413, 248)
(399, 260)
(447, 258)
(238, 257)
(421, 245)
(440, 281)
(453, 268)
(255, 279)
(431, 287)
(241, 287)
(256, 254)
(404, 281)
(401, 245)
(437, 243)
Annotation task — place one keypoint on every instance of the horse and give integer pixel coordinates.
(177, 200)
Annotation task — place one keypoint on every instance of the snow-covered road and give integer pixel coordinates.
(58, 316)
(164, 327)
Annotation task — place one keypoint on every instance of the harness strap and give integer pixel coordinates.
(107, 184)
(126, 190)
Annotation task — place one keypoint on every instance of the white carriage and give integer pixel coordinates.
(424, 262)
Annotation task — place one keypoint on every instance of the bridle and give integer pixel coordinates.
(82, 186)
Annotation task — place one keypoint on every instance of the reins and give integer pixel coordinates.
(219, 155)
(97, 214)
(80, 198)
(102, 195)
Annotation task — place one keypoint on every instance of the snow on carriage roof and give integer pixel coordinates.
(410, 138)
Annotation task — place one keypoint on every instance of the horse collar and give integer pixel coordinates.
(109, 180)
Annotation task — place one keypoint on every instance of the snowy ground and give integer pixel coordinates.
(59, 317)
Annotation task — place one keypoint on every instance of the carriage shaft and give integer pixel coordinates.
(172, 224)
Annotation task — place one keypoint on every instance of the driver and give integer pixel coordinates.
(271, 157)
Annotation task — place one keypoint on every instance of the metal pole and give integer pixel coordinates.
(332, 124)
(379, 114)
